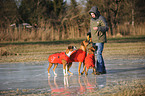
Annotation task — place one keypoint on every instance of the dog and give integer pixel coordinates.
(89, 61)
(61, 58)
(79, 55)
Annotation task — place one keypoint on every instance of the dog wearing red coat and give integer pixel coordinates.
(79, 55)
(89, 61)
(61, 58)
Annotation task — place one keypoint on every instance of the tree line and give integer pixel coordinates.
(58, 19)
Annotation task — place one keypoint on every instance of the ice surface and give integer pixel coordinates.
(33, 75)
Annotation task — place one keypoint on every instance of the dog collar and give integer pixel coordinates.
(69, 53)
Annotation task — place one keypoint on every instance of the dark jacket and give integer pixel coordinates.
(99, 21)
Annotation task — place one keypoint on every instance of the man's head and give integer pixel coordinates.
(93, 15)
(94, 12)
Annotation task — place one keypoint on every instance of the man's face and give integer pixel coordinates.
(93, 15)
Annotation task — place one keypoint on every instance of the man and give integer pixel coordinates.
(97, 33)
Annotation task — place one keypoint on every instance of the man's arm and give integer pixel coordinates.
(104, 26)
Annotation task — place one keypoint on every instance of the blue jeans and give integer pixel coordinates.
(100, 66)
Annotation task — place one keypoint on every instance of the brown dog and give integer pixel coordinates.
(79, 55)
(61, 58)
(89, 61)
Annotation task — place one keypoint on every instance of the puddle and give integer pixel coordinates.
(31, 77)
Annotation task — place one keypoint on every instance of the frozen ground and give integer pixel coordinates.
(31, 77)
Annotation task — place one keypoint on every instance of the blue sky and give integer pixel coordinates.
(68, 1)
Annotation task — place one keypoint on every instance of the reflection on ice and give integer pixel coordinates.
(75, 84)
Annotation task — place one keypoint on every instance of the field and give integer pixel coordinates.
(124, 57)
(39, 51)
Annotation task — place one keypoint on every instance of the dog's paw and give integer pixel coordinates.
(71, 73)
(65, 74)
(97, 73)
(48, 74)
(82, 73)
(86, 73)
(55, 74)
(79, 73)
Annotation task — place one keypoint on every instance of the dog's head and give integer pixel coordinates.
(70, 49)
(85, 43)
(91, 50)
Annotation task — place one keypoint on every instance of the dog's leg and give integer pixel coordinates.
(83, 70)
(55, 65)
(86, 73)
(94, 71)
(64, 67)
(80, 63)
(50, 65)
(84, 66)
(69, 65)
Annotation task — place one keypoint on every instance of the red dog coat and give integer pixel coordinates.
(90, 61)
(78, 56)
(57, 57)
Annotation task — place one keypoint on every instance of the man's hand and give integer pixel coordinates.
(88, 38)
(95, 28)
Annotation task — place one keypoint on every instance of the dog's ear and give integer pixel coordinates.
(95, 47)
(92, 49)
(70, 47)
(74, 47)
(67, 50)
(82, 43)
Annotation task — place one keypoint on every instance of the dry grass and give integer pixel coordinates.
(27, 53)
(50, 32)
(137, 48)
(123, 88)
(128, 29)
